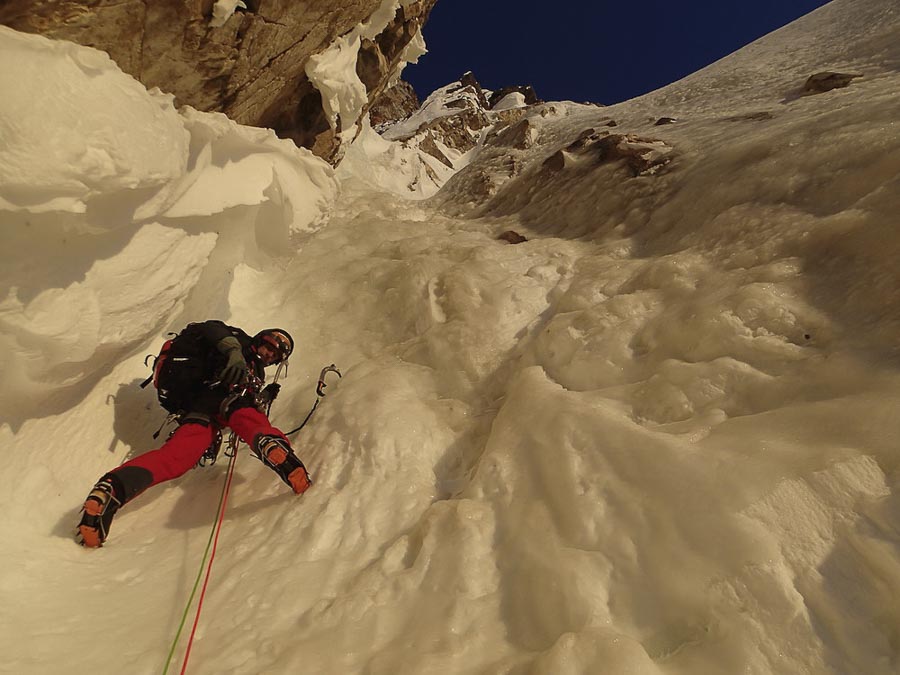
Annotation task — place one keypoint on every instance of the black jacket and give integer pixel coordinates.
(214, 331)
(203, 398)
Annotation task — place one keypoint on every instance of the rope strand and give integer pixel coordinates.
(212, 557)
(213, 541)
(217, 527)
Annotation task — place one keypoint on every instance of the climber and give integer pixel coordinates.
(209, 377)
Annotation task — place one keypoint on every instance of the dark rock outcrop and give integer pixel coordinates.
(429, 145)
(819, 83)
(520, 135)
(512, 237)
(460, 131)
(642, 156)
(252, 67)
(396, 103)
(468, 80)
(759, 116)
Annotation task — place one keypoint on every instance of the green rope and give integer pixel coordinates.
(187, 607)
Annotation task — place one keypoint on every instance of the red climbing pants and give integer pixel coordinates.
(185, 447)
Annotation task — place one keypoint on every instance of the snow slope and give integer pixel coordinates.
(657, 437)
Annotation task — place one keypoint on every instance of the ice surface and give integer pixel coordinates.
(333, 73)
(80, 155)
(659, 436)
(510, 101)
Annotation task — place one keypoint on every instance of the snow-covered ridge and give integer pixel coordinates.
(445, 101)
(430, 145)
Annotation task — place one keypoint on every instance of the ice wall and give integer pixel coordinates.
(106, 198)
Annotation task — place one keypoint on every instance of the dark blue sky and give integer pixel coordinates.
(589, 50)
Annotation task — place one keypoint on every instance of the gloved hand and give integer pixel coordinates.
(236, 369)
(270, 392)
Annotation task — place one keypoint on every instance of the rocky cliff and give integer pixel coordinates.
(247, 59)
(456, 120)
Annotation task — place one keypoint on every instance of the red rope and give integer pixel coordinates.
(210, 564)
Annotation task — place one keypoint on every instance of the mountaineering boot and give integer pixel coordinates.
(276, 453)
(98, 511)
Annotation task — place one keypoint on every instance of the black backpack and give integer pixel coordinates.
(182, 364)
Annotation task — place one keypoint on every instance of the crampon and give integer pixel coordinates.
(97, 514)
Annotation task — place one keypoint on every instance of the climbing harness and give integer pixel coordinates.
(170, 418)
(251, 386)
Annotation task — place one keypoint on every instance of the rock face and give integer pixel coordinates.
(452, 117)
(819, 83)
(642, 156)
(454, 124)
(512, 237)
(397, 103)
(249, 65)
